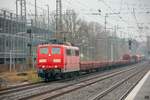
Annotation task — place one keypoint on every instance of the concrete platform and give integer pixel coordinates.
(142, 90)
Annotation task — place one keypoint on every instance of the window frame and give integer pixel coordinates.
(56, 53)
(77, 53)
(42, 49)
(68, 53)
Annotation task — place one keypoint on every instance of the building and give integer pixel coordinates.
(14, 39)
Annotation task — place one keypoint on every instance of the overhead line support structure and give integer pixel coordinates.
(59, 34)
(105, 29)
(22, 9)
(35, 12)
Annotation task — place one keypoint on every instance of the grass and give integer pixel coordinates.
(33, 77)
(15, 77)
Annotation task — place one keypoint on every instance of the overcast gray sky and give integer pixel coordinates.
(127, 22)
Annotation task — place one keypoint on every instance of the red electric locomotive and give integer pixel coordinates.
(54, 60)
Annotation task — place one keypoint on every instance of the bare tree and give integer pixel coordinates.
(70, 19)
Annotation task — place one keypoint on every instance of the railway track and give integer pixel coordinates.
(20, 88)
(131, 88)
(53, 93)
(34, 85)
(119, 83)
(10, 94)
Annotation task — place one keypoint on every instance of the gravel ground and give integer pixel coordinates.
(25, 93)
(29, 92)
(119, 91)
(88, 92)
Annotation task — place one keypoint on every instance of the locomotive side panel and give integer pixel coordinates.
(72, 59)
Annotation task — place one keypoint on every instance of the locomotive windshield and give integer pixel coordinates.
(55, 50)
(43, 50)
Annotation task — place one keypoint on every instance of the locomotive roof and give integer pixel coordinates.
(59, 45)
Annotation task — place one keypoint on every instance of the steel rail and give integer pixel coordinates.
(20, 88)
(108, 90)
(131, 88)
(72, 87)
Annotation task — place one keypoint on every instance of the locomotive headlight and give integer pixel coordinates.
(55, 66)
(43, 66)
(57, 60)
(42, 60)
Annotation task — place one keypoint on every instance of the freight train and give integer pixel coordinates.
(63, 60)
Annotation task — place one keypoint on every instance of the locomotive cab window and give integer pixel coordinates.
(43, 50)
(76, 52)
(55, 50)
(73, 52)
(68, 52)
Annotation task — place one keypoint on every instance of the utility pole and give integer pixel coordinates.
(30, 61)
(148, 46)
(112, 47)
(10, 64)
(35, 12)
(105, 29)
(106, 43)
(17, 9)
(58, 33)
(48, 16)
(116, 42)
(106, 15)
(22, 9)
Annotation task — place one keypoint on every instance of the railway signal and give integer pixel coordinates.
(29, 31)
(130, 44)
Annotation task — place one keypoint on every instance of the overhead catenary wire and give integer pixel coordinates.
(98, 18)
(87, 13)
(115, 12)
(118, 15)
